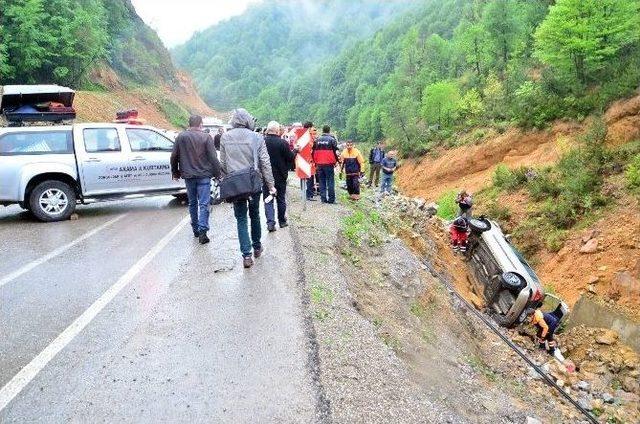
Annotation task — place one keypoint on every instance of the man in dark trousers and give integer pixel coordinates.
(195, 160)
(281, 158)
(325, 156)
(375, 164)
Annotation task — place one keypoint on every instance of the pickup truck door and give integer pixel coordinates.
(152, 153)
(103, 160)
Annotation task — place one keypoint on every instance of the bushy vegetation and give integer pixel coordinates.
(447, 206)
(60, 41)
(633, 173)
(568, 194)
(445, 67)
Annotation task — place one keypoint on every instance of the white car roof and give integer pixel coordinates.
(35, 89)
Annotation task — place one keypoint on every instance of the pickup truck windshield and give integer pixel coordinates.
(144, 140)
(36, 143)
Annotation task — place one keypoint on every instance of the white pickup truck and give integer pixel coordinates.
(50, 169)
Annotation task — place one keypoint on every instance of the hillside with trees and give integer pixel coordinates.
(61, 41)
(100, 47)
(441, 69)
(278, 42)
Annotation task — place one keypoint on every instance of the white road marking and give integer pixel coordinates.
(31, 370)
(60, 250)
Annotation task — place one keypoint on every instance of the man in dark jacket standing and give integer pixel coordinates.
(195, 160)
(325, 156)
(375, 163)
(281, 158)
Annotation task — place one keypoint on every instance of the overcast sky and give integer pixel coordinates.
(176, 20)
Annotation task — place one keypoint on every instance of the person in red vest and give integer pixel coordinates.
(325, 156)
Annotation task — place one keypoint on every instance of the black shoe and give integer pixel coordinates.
(271, 228)
(258, 252)
(247, 262)
(203, 238)
(196, 234)
(284, 224)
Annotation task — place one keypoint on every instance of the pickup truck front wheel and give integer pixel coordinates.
(52, 201)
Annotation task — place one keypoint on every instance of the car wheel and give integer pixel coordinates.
(52, 201)
(479, 225)
(512, 281)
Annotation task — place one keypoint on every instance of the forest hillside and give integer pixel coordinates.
(100, 47)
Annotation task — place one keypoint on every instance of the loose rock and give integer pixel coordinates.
(590, 247)
(607, 337)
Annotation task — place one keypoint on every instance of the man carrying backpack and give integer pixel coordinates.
(376, 155)
(243, 149)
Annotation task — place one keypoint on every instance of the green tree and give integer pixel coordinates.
(471, 40)
(579, 37)
(503, 22)
(26, 42)
(440, 102)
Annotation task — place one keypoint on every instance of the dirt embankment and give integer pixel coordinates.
(609, 268)
(606, 378)
(471, 166)
(151, 103)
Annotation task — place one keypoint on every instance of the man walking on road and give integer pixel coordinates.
(376, 155)
(325, 156)
(195, 160)
(281, 158)
(238, 148)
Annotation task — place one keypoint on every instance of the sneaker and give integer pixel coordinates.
(203, 238)
(284, 224)
(271, 228)
(247, 262)
(258, 252)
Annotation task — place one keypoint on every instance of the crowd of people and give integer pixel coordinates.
(270, 153)
(198, 157)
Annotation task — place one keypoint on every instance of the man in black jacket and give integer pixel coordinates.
(325, 156)
(281, 158)
(195, 160)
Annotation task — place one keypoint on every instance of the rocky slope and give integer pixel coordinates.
(601, 256)
(606, 378)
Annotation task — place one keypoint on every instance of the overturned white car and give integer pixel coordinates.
(502, 275)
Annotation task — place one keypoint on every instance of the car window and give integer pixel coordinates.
(36, 143)
(143, 140)
(98, 140)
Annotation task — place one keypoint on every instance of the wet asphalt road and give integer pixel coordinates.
(191, 336)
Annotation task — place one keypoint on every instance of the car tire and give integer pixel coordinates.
(512, 282)
(52, 201)
(479, 225)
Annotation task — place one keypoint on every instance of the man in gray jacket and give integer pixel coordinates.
(194, 158)
(237, 147)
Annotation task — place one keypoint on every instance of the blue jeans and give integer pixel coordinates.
(240, 210)
(199, 194)
(387, 182)
(326, 177)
